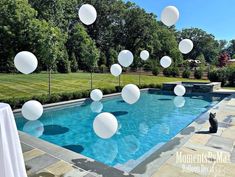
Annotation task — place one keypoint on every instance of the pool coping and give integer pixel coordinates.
(145, 169)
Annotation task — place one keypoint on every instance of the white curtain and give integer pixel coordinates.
(11, 157)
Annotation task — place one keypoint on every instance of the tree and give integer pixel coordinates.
(84, 49)
(74, 63)
(49, 44)
(231, 48)
(204, 43)
(224, 59)
(16, 16)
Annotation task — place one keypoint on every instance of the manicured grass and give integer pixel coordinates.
(19, 85)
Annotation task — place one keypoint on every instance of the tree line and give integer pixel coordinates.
(53, 32)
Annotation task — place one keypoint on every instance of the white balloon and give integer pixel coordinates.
(179, 90)
(96, 106)
(96, 95)
(165, 61)
(144, 55)
(179, 101)
(87, 14)
(186, 46)
(32, 110)
(34, 128)
(130, 93)
(116, 70)
(25, 62)
(170, 15)
(105, 125)
(125, 58)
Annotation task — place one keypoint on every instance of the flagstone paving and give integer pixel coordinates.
(203, 154)
(218, 150)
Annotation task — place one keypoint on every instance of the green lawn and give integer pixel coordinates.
(19, 85)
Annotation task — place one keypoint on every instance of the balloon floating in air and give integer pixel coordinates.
(116, 70)
(105, 125)
(32, 110)
(170, 16)
(186, 46)
(144, 55)
(165, 61)
(25, 62)
(179, 90)
(130, 93)
(179, 101)
(96, 95)
(87, 14)
(96, 106)
(125, 58)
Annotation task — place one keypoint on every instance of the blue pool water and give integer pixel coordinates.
(152, 121)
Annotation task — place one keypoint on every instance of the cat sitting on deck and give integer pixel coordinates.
(214, 123)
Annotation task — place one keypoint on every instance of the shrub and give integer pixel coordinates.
(219, 75)
(63, 66)
(155, 71)
(103, 69)
(175, 72)
(198, 73)
(74, 64)
(167, 72)
(186, 73)
(57, 97)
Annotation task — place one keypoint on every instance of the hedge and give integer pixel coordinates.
(17, 103)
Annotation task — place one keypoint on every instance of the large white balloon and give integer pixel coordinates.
(25, 62)
(179, 90)
(87, 14)
(32, 110)
(179, 101)
(130, 93)
(96, 95)
(165, 61)
(116, 70)
(96, 106)
(125, 58)
(144, 55)
(105, 125)
(186, 46)
(34, 128)
(170, 15)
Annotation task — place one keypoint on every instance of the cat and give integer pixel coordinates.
(213, 122)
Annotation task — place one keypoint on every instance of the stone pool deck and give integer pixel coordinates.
(217, 151)
(200, 154)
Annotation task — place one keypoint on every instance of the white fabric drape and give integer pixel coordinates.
(11, 157)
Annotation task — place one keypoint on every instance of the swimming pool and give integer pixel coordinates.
(143, 127)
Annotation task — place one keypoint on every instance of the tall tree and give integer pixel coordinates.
(16, 16)
(204, 43)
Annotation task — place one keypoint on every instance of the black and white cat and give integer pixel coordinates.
(213, 122)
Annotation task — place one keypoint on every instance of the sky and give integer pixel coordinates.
(217, 17)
